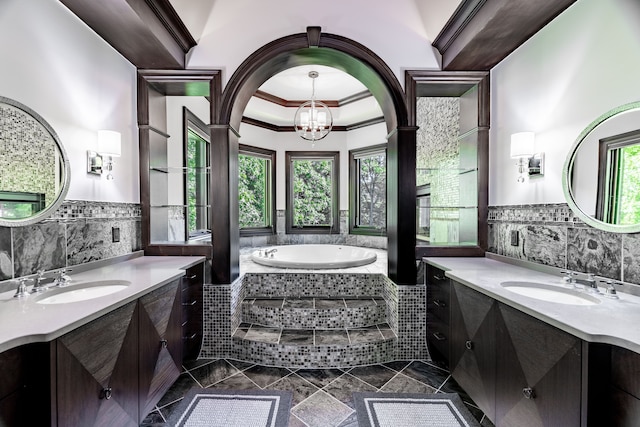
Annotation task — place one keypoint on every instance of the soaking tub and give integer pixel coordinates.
(314, 257)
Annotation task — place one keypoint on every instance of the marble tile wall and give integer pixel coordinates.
(551, 235)
(343, 238)
(78, 232)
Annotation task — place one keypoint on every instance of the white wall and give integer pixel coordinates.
(55, 65)
(282, 142)
(236, 29)
(579, 66)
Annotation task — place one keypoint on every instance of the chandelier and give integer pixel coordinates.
(313, 120)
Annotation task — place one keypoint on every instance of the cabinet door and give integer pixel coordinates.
(97, 377)
(160, 343)
(473, 345)
(539, 375)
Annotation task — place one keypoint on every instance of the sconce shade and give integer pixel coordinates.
(109, 143)
(522, 145)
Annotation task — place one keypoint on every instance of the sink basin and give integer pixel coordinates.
(550, 293)
(82, 291)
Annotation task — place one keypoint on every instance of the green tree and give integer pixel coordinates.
(373, 183)
(252, 191)
(312, 193)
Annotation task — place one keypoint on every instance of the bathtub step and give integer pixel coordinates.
(315, 312)
(323, 348)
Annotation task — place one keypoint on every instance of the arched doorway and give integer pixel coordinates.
(314, 47)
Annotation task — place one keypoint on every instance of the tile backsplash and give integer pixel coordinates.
(78, 232)
(551, 235)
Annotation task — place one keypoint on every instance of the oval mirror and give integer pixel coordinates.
(601, 176)
(34, 168)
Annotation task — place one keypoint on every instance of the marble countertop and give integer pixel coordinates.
(24, 321)
(612, 321)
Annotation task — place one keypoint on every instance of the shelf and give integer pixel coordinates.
(179, 169)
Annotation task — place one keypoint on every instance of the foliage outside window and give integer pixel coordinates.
(196, 162)
(368, 189)
(312, 192)
(256, 169)
(619, 199)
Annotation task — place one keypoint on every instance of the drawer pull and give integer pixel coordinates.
(192, 277)
(439, 336)
(439, 303)
(191, 337)
(469, 345)
(189, 304)
(106, 393)
(164, 343)
(440, 278)
(529, 393)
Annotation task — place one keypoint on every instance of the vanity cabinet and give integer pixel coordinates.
(438, 295)
(519, 370)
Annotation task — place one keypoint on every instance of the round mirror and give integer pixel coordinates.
(34, 168)
(601, 176)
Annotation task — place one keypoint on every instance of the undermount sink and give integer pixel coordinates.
(550, 293)
(82, 291)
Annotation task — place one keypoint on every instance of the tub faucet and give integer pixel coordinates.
(269, 252)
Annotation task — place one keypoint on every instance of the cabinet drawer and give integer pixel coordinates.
(438, 337)
(435, 275)
(438, 302)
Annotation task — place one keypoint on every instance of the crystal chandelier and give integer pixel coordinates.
(313, 120)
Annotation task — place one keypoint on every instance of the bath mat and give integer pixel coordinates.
(203, 407)
(411, 409)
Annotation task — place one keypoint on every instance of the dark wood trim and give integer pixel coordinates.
(354, 98)
(362, 124)
(353, 185)
(277, 128)
(419, 83)
(482, 33)
(149, 34)
(313, 36)
(291, 103)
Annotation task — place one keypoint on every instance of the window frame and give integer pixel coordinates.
(334, 156)
(192, 122)
(354, 191)
(270, 187)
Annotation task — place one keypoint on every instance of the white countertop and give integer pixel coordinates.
(612, 321)
(24, 321)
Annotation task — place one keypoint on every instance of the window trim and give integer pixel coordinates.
(354, 155)
(290, 156)
(192, 122)
(271, 187)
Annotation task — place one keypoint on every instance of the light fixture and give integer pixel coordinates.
(313, 120)
(522, 148)
(109, 144)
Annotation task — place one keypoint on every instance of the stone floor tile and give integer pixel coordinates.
(343, 387)
(319, 377)
(335, 337)
(213, 372)
(184, 383)
(375, 375)
(426, 373)
(264, 376)
(321, 410)
(403, 384)
(297, 337)
(300, 387)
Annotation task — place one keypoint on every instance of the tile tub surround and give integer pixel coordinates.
(551, 235)
(76, 233)
(342, 238)
(405, 315)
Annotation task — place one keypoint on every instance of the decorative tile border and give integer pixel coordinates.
(82, 209)
(558, 213)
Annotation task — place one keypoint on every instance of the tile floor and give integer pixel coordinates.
(321, 397)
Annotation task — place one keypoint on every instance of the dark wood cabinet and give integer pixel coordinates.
(539, 372)
(160, 344)
(192, 311)
(473, 345)
(97, 371)
(438, 302)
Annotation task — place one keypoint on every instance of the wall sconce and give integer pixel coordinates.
(522, 148)
(109, 144)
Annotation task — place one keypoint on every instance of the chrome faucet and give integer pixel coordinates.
(591, 284)
(22, 292)
(269, 252)
(610, 290)
(63, 279)
(568, 279)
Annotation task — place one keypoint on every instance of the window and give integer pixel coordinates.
(256, 190)
(368, 190)
(312, 192)
(196, 158)
(618, 200)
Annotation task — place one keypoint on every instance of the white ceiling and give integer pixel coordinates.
(294, 83)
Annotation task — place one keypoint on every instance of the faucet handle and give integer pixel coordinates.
(63, 279)
(39, 286)
(610, 290)
(22, 292)
(568, 279)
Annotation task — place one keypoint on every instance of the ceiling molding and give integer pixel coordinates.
(290, 103)
(276, 128)
(313, 36)
(149, 34)
(482, 33)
